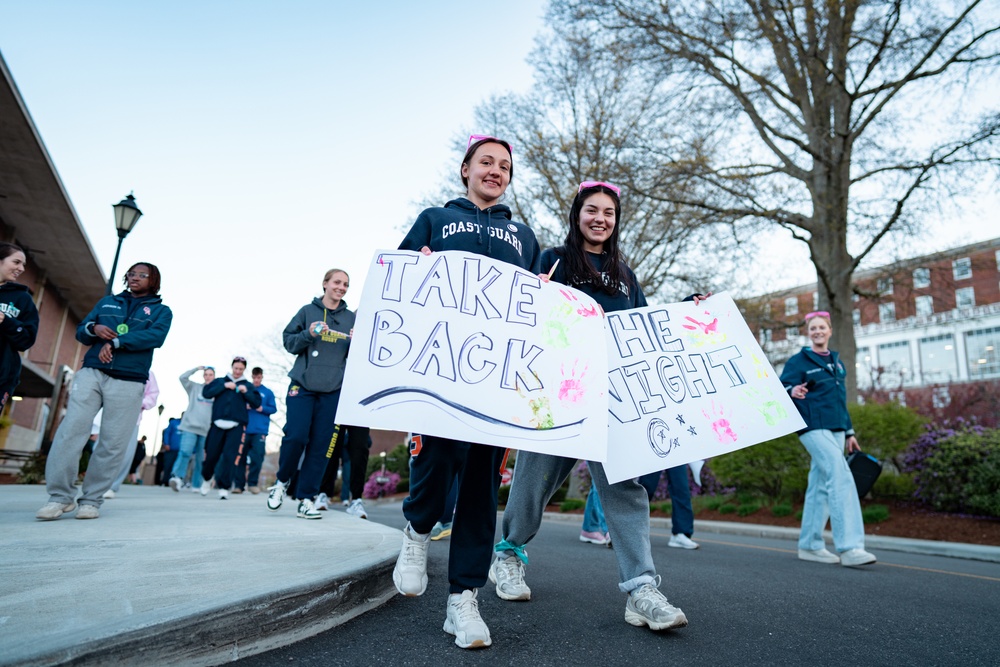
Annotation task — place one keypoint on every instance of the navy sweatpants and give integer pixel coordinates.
(435, 463)
(223, 449)
(310, 420)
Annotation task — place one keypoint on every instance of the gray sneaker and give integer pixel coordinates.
(51, 511)
(648, 606)
(88, 512)
(508, 575)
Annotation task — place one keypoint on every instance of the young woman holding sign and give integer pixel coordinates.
(480, 224)
(815, 378)
(591, 261)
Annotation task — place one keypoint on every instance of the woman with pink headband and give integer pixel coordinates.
(480, 224)
(591, 261)
(816, 380)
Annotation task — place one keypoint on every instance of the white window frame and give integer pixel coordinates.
(884, 308)
(884, 285)
(961, 268)
(961, 293)
(791, 305)
(927, 298)
(921, 277)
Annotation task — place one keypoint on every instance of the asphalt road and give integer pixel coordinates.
(749, 601)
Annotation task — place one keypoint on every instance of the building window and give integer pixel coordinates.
(815, 300)
(998, 260)
(921, 277)
(863, 367)
(887, 312)
(856, 316)
(981, 347)
(925, 306)
(962, 268)
(792, 334)
(792, 305)
(965, 297)
(765, 336)
(885, 285)
(938, 363)
(855, 297)
(767, 310)
(895, 365)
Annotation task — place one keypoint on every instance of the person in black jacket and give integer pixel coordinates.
(227, 435)
(816, 380)
(480, 224)
(122, 331)
(319, 336)
(18, 319)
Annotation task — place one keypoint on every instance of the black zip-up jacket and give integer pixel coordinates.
(230, 404)
(17, 331)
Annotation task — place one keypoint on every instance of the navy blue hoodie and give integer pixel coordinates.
(142, 323)
(17, 331)
(461, 225)
(629, 295)
(230, 403)
(825, 406)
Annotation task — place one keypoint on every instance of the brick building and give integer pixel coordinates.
(923, 321)
(62, 273)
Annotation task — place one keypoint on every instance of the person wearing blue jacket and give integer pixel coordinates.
(816, 380)
(258, 424)
(122, 331)
(226, 438)
(480, 224)
(18, 319)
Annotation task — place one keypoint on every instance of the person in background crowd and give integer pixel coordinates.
(18, 319)
(319, 335)
(150, 395)
(594, 529)
(227, 436)
(193, 429)
(258, 424)
(122, 331)
(170, 445)
(137, 458)
(817, 382)
(681, 511)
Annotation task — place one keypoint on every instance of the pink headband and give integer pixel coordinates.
(817, 313)
(473, 138)
(595, 184)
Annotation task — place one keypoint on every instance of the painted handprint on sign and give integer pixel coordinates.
(720, 423)
(704, 333)
(766, 404)
(572, 388)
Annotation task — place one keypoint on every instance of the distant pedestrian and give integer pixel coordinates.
(681, 510)
(122, 331)
(193, 429)
(319, 336)
(137, 458)
(817, 381)
(258, 425)
(18, 319)
(227, 435)
(170, 445)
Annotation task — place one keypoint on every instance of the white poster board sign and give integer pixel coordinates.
(464, 347)
(687, 383)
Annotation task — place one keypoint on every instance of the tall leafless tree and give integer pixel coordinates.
(843, 117)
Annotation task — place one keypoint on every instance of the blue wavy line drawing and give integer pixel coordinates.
(386, 393)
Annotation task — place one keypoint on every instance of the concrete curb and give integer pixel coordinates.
(904, 544)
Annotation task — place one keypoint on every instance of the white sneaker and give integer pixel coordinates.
(109, 494)
(410, 573)
(855, 557)
(508, 575)
(206, 486)
(648, 606)
(176, 483)
(682, 541)
(223, 494)
(322, 503)
(276, 496)
(50, 511)
(818, 556)
(88, 512)
(346, 503)
(463, 621)
(357, 508)
(307, 510)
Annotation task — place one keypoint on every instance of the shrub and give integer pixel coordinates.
(714, 502)
(886, 430)
(875, 513)
(33, 470)
(747, 509)
(772, 468)
(917, 453)
(727, 508)
(890, 485)
(374, 488)
(665, 508)
(503, 493)
(781, 509)
(571, 504)
(798, 515)
(963, 474)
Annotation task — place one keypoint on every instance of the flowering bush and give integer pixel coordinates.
(962, 474)
(916, 455)
(374, 488)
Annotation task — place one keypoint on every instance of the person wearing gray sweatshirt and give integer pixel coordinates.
(194, 427)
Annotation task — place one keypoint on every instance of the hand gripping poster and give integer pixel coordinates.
(687, 383)
(464, 347)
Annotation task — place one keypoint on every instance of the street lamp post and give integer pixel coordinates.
(126, 215)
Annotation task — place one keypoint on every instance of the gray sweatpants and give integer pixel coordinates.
(91, 390)
(626, 509)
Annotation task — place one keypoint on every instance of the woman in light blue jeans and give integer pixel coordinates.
(816, 380)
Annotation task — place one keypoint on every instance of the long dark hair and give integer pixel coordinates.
(578, 267)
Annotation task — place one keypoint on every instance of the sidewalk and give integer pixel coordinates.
(175, 578)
